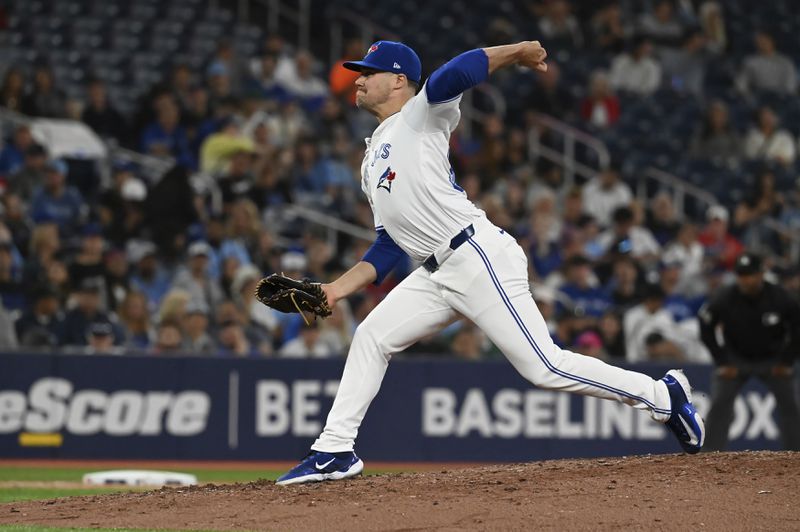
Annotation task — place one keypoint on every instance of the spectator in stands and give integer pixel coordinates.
(763, 203)
(650, 331)
(661, 218)
(686, 251)
(100, 339)
(182, 85)
(338, 329)
(88, 261)
(218, 148)
(680, 306)
(310, 89)
(40, 325)
(313, 173)
(31, 175)
(197, 119)
(8, 334)
(768, 70)
(609, 29)
(173, 306)
(166, 137)
(559, 28)
(766, 141)
(44, 247)
(172, 210)
(713, 25)
(612, 335)
(308, 345)
(134, 319)
(581, 288)
(45, 99)
(467, 342)
(685, 67)
(590, 344)
(197, 338)
(244, 336)
(13, 153)
(225, 59)
(661, 25)
(636, 72)
(100, 114)
(148, 276)
(18, 224)
(720, 246)
(264, 82)
(275, 45)
(12, 291)
(88, 309)
(626, 285)
(549, 96)
(233, 342)
(237, 178)
(716, 139)
(169, 339)
(58, 202)
(259, 316)
(121, 208)
(627, 235)
(342, 81)
(194, 277)
(269, 190)
(604, 193)
(12, 92)
(117, 277)
(600, 108)
(791, 213)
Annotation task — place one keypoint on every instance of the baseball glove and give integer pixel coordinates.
(289, 295)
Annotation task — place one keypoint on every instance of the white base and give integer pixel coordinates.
(133, 477)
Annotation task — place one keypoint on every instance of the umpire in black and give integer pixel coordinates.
(760, 325)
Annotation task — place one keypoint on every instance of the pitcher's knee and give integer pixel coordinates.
(366, 340)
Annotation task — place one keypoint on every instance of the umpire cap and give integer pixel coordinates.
(390, 56)
(747, 264)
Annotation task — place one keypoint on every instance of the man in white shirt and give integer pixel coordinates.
(636, 72)
(603, 194)
(470, 267)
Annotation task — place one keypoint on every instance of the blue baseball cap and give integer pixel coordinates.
(390, 56)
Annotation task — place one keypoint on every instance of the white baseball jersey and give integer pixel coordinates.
(408, 179)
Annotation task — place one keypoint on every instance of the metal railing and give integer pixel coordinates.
(566, 158)
(680, 190)
(333, 226)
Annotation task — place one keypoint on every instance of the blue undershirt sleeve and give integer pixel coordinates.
(457, 75)
(384, 254)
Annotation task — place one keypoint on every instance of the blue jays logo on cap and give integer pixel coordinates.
(390, 56)
(386, 179)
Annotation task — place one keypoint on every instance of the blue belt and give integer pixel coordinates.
(431, 264)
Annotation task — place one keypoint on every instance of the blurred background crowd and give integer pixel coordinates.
(111, 259)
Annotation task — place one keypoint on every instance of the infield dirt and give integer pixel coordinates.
(720, 491)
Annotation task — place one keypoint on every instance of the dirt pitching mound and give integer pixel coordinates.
(727, 491)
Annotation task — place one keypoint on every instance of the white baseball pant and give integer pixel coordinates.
(485, 280)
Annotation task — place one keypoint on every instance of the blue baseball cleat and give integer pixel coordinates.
(685, 422)
(318, 466)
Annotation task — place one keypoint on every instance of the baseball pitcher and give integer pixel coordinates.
(470, 267)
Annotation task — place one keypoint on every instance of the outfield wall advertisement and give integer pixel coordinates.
(175, 408)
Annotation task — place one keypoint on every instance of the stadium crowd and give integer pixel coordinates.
(124, 264)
